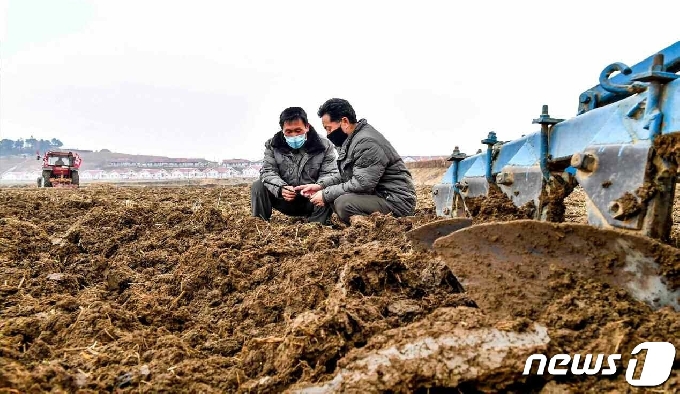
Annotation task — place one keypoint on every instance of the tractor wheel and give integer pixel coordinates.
(75, 178)
(46, 179)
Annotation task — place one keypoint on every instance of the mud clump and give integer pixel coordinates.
(675, 229)
(496, 206)
(667, 146)
(626, 206)
(552, 200)
(178, 289)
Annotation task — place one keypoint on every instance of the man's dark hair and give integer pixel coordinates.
(293, 113)
(337, 109)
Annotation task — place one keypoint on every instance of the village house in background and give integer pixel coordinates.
(144, 174)
(124, 169)
(163, 163)
(241, 164)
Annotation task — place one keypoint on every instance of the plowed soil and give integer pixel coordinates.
(178, 289)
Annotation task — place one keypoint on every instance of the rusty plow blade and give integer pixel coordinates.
(423, 237)
(506, 264)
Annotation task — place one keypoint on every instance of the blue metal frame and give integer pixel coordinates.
(616, 123)
(606, 149)
(599, 96)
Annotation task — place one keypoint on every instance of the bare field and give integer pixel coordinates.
(139, 182)
(178, 289)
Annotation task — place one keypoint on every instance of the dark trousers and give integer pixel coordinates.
(349, 205)
(262, 201)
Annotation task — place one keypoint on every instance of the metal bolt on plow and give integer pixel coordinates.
(504, 178)
(489, 141)
(457, 155)
(584, 161)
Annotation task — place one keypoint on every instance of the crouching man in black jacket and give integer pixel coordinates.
(372, 177)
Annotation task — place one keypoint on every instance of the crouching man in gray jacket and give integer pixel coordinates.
(296, 155)
(372, 177)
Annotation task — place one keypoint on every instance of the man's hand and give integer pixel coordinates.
(288, 193)
(317, 199)
(308, 190)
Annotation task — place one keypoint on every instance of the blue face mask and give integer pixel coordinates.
(297, 141)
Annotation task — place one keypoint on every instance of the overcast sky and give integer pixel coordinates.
(209, 78)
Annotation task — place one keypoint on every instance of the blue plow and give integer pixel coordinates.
(622, 148)
(618, 148)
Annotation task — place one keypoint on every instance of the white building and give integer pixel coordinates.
(92, 174)
(251, 172)
(220, 173)
(184, 173)
(145, 174)
(196, 173)
(129, 174)
(160, 174)
(21, 175)
(153, 173)
(236, 163)
(211, 173)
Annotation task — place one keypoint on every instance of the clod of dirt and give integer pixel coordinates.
(667, 146)
(496, 206)
(552, 200)
(627, 206)
(55, 276)
(20, 239)
(449, 348)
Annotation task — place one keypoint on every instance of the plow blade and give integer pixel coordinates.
(423, 237)
(503, 265)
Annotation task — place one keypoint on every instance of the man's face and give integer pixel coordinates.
(332, 126)
(294, 128)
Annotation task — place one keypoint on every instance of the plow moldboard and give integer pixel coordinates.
(504, 266)
(424, 236)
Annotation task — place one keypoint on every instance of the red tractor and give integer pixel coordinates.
(59, 169)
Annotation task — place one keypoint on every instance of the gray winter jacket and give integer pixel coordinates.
(370, 165)
(312, 163)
